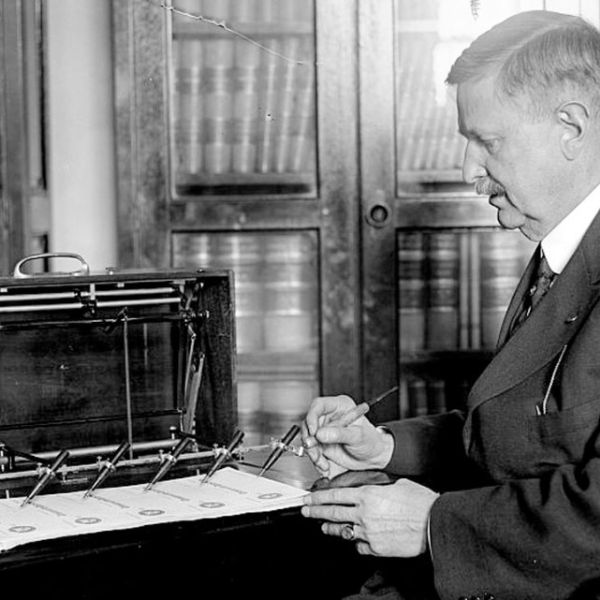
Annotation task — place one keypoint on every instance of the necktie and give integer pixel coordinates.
(540, 284)
(543, 282)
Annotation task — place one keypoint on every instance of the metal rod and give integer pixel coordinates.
(136, 291)
(19, 325)
(138, 447)
(124, 292)
(74, 305)
(190, 356)
(127, 384)
(134, 462)
(148, 302)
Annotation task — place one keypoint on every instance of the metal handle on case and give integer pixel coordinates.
(84, 270)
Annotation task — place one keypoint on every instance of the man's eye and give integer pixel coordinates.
(491, 145)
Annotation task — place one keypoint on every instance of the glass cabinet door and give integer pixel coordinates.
(243, 97)
(231, 156)
(243, 124)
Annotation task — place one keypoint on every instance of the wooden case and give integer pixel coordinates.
(90, 361)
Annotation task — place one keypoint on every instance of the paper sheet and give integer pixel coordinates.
(228, 492)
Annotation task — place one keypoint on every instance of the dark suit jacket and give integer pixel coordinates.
(530, 528)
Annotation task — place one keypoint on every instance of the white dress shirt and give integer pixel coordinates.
(560, 244)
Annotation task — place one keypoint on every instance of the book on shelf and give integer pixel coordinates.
(417, 397)
(243, 12)
(426, 396)
(467, 320)
(503, 259)
(218, 76)
(188, 106)
(411, 271)
(287, 90)
(302, 139)
(442, 312)
(267, 107)
(436, 396)
(291, 292)
(430, 392)
(245, 106)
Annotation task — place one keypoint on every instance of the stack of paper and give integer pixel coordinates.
(228, 492)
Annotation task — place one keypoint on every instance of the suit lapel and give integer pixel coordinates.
(552, 325)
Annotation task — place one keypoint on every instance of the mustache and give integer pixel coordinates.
(486, 186)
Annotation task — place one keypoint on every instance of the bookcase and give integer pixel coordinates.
(231, 155)
(311, 146)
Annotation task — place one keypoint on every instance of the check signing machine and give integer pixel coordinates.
(115, 383)
(91, 362)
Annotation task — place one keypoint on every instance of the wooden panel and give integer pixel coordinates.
(338, 159)
(246, 213)
(13, 208)
(140, 84)
(377, 191)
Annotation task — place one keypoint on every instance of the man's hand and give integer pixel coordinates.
(334, 447)
(387, 520)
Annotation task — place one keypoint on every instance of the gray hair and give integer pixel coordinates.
(540, 55)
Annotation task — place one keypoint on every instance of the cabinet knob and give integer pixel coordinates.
(378, 213)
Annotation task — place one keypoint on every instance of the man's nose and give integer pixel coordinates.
(473, 164)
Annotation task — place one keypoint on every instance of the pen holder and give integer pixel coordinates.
(276, 443)
(237, 453)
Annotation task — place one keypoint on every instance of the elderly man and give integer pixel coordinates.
(527, 524)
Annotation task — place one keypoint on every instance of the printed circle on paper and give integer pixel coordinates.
(22, 529)
(212, 504)
(270, 496)
(151, 512)
(87, 520)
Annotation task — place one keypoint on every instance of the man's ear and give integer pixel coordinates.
(574, 117)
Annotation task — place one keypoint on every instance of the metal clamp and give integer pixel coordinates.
(276, 443)
(84, 270)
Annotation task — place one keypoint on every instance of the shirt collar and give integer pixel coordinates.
(560, 244)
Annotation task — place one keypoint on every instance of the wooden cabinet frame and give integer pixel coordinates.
(148, 215)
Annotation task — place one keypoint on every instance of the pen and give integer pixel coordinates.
(169, 460)
(278, 450)
(108, 468)
(48, 475)
(360, 409)
(238, 436)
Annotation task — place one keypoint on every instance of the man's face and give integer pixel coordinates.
(510, 158)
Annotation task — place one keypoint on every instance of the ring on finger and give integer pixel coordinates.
(348, 532)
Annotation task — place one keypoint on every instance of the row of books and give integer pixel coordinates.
(455, 286)
(240, 109)
(276, 286)
(420, 396)
(238, 13)
(268, 408)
